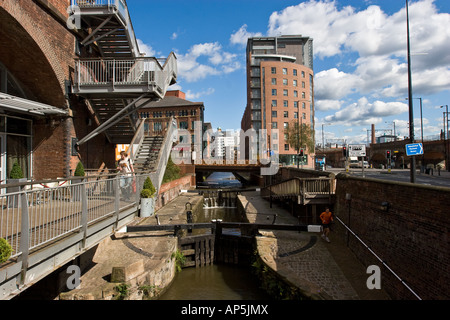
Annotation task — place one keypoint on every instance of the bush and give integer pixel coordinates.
(16, 171)
(148, 185)
(5, 250)
(172, 172)
(146, 193)
(79, 170)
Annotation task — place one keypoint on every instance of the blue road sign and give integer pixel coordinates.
(414, 149)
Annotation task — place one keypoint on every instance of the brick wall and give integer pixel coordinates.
(411, 237)
(171, 190)
(39, 50)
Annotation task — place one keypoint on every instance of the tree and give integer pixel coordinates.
(300, 136)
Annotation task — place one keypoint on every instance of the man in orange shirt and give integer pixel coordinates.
(327, 218)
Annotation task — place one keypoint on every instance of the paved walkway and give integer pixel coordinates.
(322, 270)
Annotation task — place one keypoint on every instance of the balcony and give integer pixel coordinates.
(125, 78)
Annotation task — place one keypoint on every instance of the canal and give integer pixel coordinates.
(218, 281)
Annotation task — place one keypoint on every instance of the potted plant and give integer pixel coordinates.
(15, 176)
(5, 250)
(79, 172)
(147, 198)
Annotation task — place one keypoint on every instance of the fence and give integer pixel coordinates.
(33, 214)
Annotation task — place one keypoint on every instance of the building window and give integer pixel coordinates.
(303, 105)
(295, 115)
(303, 95)
(285, 103)
(285, 82)
(286, 125)
(303, 74)
(274, 125)
(274, 70)
(304, 115)
(285, 71)
(285, 92)
(295, 104)
(295, 93)
(303, 84)
(294, 72)
(184, 125)
(274, 114)
(274, 81)
(286, 114)
(295, 83)
(286, 147)
(274, 92)
(274, 103)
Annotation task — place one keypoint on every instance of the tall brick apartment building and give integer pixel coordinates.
(280, 89)
(40, 118)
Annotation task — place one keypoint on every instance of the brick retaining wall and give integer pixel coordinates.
(411, 237)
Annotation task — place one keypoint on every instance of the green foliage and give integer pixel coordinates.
(146, 193)
(79, 170)
(180, 260)
(16, 171)
(122, 289)
(5, 250)
(300, 135)
(148, 291)
(148, 190)
(172, 172)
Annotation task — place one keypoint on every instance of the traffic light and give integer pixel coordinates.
(388, 154)
(344, 151)
(301, 154)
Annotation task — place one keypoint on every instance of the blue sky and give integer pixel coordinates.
(359, 57)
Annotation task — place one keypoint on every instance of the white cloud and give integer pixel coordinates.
(191, 95)
(365, 113)
(146, 49)
(334, 84)
(174, 36)
(241, 36)
(376, 42)
(206, 59)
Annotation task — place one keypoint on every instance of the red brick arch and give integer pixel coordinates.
(29, 53)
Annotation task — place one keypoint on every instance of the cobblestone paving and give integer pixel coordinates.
(306, 258)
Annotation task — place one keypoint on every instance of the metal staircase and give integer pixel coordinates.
(147, 155)
(113, 83)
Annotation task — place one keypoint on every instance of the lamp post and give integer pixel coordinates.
(410, 102)
(445, 119)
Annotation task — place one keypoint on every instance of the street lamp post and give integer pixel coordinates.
(445, 116)
(410, 102)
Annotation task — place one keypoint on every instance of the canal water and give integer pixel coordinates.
(217, 281)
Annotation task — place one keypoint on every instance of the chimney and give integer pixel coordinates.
(373, 133)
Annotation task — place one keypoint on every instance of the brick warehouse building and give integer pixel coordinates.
(280, 89)
(38, 55)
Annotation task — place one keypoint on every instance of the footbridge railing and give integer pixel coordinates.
(304, 190)
(48, 223)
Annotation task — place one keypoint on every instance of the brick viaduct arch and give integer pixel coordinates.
(30, 55)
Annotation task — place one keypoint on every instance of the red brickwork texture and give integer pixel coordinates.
(39, 50)
(411, 237)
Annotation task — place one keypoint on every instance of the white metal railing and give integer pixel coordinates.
(139, 71)
(102, 71)
(42, 212)
(122, 9)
